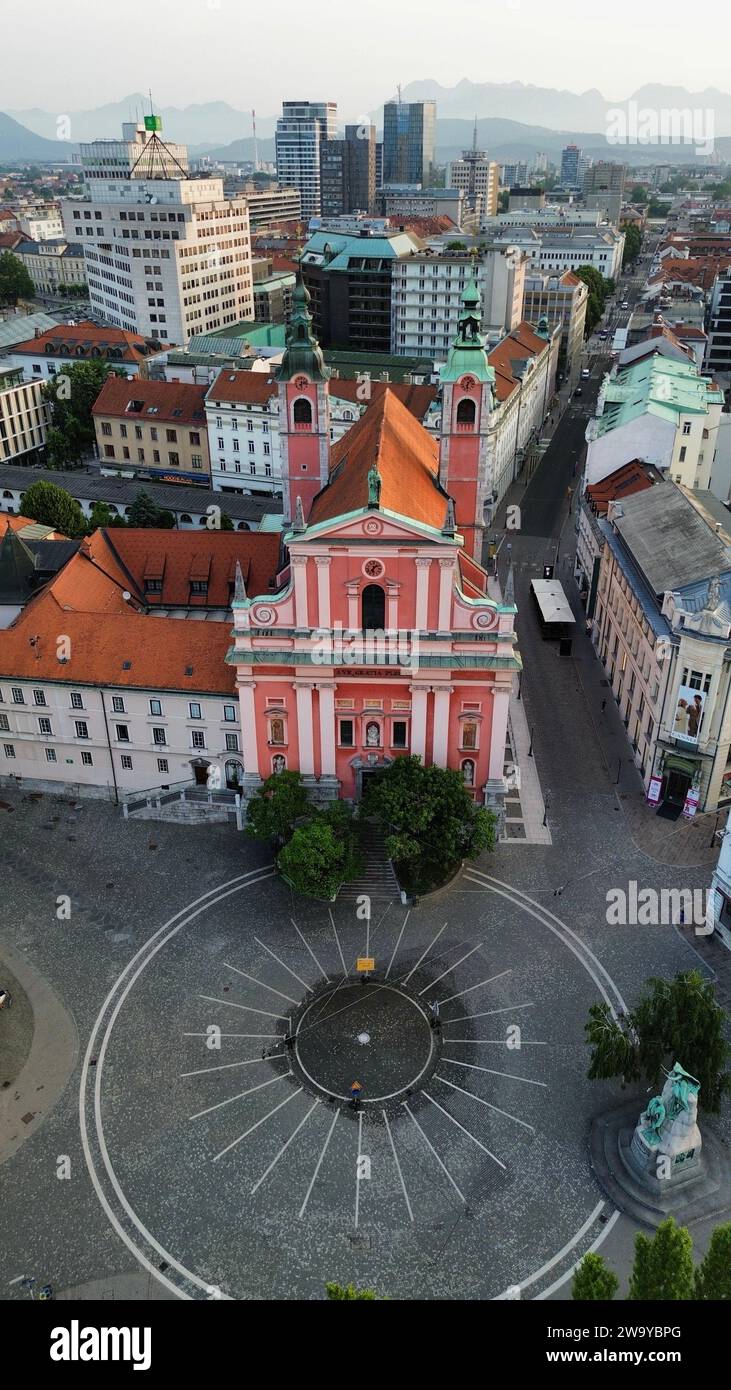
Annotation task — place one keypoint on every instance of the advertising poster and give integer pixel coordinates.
(688, 714)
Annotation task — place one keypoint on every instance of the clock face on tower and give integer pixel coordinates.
(467, 383)
(301, 382)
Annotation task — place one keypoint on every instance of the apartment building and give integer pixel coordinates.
(718, 350)
(53, 264)
(41, 224)
(61, 345)
(349, 279)
(426, 295)
(562, 299)
(153, 429)
(303, 128)
(165, 255)
(661, 411)
(272, 203)
(24, 417)
(661, 631)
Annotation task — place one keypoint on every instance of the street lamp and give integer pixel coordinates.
(530, 750)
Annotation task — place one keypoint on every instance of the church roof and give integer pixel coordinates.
(17, 569)
(406, 457)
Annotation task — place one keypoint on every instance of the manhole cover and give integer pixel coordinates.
(26, 1119)
(364, 1038)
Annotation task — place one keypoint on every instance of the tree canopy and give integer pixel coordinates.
(277, 806)
(663, 1266)
(71, 393)
(15, 282)
(674, 1020)
(53, 506)
(144, 513)
(428, 814)
(594, 1279)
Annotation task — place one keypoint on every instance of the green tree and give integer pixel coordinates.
(713, 1276)
(102, 515)
(277, 806)
(428, 814)
(632, 244)
(676, 1020)
(663, 1266)
(226, 522)
(53, 506)
(639, 196)
(145, 514)
(57, 448)
(317, 859)
(71, 393)
(599, 291)
(342, 1293)
(594, 1280)
(15, 282)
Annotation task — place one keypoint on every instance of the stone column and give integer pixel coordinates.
(495, 785)
(442, 697)
(247, 709)
(419, 694)
(323, 590)
(392, 612)
(422, 595)
(303, 693)
(353, 590)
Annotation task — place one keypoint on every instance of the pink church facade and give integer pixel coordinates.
(380, 638)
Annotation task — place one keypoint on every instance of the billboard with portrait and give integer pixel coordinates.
(688, 714)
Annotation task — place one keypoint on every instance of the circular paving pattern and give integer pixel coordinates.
(216, 1095)
(333, 1028)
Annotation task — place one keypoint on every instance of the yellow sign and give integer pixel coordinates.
(365, 963)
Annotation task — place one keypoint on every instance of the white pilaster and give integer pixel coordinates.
(500, 705)
(442, 695)
(304, 729)
(419, 695)
(299, 568)
(422, 595)
(446, 571)
(323, 590)
(392, 619)
(353, 590)
(327, 729)
(248, 727)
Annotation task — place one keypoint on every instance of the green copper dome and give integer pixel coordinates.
(468, 352)
(302, 354)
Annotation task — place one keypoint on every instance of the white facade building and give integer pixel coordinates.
(45, 224)
(426, 297)
(166, 256)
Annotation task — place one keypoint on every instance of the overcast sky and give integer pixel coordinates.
(81, 53)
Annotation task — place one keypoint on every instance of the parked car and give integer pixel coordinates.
(578, 391)
(585, 373)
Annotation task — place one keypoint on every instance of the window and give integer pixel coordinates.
(86, 759)
(171, 436)
(229, 714)
(373, 608)
(347, 739)
(44, 727)
(198, 738)
(686, 428)
(162, 765)
(18, 696)
(302, 412)
(39, 697)
(683, 453)
(398, 736)
(159, 737)
(232, 743)
(466, 414)
(4, 723)
(469, 734)
(126, 762)
(118, 704)
(194, 710)
(51, 755)
(106, 427)
(155, 707)
(8, 750)
(82, 728)
(122, 735)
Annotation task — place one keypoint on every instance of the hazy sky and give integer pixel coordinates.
(82, 53)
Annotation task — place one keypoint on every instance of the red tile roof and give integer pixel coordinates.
(67, 339)
(9, 240)
(407, 458)
(179, 557)
(176, 402)
(160, 653)
(630, 478)
(515, 347)
(257, 388)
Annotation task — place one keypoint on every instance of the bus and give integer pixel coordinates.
(555, 614)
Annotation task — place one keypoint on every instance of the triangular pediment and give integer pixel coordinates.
(375, 526)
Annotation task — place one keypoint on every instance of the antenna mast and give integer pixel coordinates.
(256, 147)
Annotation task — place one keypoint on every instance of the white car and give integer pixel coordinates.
(585, 373)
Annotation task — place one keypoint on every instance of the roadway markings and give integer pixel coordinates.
(398, 943)
(450, 968)
(398, 1165)
(279, 961)
(318, 1165)
(260, 983)
(285, 1145)
(240, 1096)
(487, 1103)
(468, 1132)
(508, 1076)
(337, 938)
(423, 956)
(307, 946)
(262, 1121)
(246, 1008)
(429, 1145)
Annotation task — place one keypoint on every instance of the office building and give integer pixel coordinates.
(479, 179)
(166, 255)
(569, 176)
(561, 299)
(409, 130)
(348, 276)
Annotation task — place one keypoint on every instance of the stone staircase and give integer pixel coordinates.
(189, 806)
(377, 878)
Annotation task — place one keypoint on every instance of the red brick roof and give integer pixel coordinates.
(407, 459)
(257, 388)
(177, 557)
(9, 240)
(515, 347)
(177, 402)
(67, 339)
(700, 271)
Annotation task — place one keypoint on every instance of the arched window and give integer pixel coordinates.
(373, 608)
(466, 412)
(302, 413)
(184, 517)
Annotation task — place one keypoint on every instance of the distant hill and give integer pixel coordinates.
(18, 143)
(213, 122)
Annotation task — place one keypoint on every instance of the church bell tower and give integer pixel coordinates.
(468, 386)
(304, 411)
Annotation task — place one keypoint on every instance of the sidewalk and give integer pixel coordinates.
(51, 1058)
(682, 843)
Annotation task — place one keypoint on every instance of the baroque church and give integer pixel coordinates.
(379, 637)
